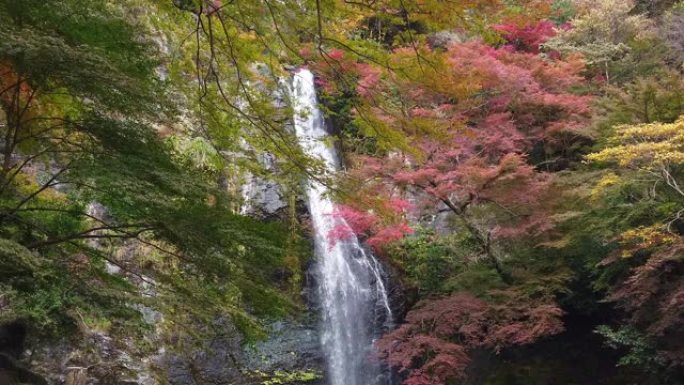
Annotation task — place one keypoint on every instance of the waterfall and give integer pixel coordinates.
(353, 298)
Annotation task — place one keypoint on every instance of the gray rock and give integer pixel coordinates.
(290, 347)
(443, 39)
(214, 361)
(93, 359)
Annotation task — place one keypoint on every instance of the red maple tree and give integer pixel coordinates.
(470, 143)
(433, 346)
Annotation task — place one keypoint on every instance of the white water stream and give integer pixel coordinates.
(353, 296)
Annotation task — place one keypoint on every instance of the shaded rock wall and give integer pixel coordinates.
(91, 359)
(292, 347)
(215, 360)
(12, 336)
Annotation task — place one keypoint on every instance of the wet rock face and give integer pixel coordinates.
(212, 366)
(292, 347)
(12, 336)
(399, 299)
(98, 359)
(265, 199)
(93, 359)
(214, 361)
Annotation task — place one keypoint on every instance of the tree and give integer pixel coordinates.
(643, 275)
(670, 28)
(657, 98)
(80, 100)
(528, 38)
(617, 43)
(464, 159)
(433, 346)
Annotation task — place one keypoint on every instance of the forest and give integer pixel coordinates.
(341, 192)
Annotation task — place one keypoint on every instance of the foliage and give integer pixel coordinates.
(670, 29)
(468, 135)
(465, 160)
(644, 100)
(429, 260)
(433, 344)
(646, 269)
(640, 351)
(564, 10)
(528, 38)
(71, 139)
(617, 43)
(283, 377)
(646, 147)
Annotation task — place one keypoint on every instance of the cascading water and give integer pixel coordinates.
(350, 282)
